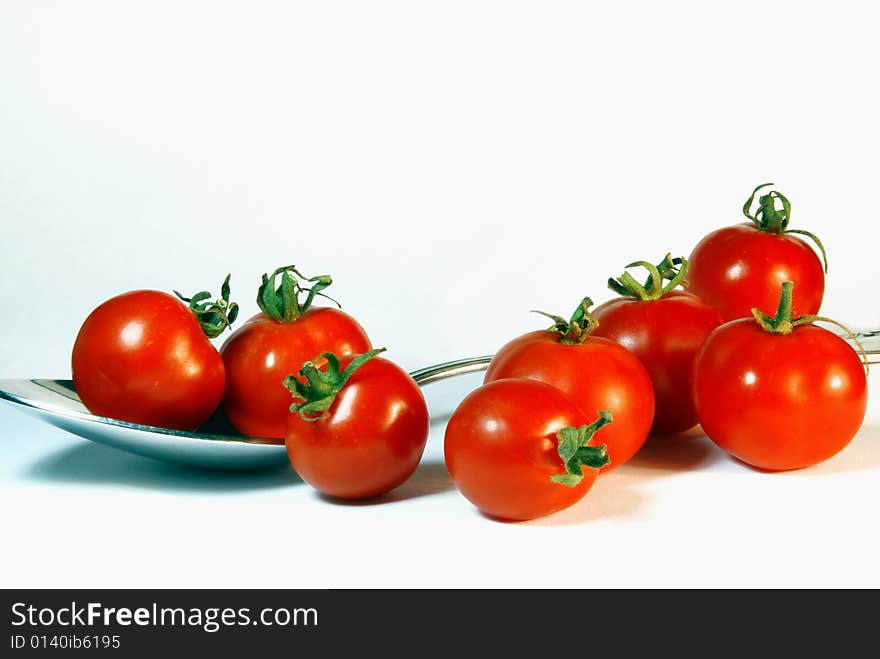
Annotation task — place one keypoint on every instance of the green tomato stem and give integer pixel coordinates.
(770, 219)
(214, 316)
(575, 454)
(321, 387)
(575, 330)
(653, 288)
(784, 322)
(282, 303)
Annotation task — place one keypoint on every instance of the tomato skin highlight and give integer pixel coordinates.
(370, 440)
(262, 352)
(142, 357)
(779, 402)
(740, 267)
(501, 449)
(665, 334)
(597, 374)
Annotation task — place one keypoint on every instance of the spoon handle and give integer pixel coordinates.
(870, 341)
(437, 372)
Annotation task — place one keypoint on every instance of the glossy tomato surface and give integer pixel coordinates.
(665, 334)
(262, 352)
(501, 449)
(779, 402)
(142, 357)
(740, 267)
(369, 441)
(597, 374)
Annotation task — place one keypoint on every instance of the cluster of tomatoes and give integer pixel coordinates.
(355, 424)
(691, 344)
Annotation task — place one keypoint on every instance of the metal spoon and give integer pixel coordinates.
(216, 445)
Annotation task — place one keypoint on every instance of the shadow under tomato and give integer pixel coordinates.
(430, 478)
(90, 463)
(618, 493)
(610, 497)
(666, 455)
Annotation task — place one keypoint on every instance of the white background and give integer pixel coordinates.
(452, 165)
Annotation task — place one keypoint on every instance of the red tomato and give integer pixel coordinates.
(144, 357)
(594, 372)
(740, 267)
(502, 449)
(779, 401)
(664, 330)
(366, 436)
(275, 343)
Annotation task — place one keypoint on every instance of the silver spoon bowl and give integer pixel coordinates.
(216, 445)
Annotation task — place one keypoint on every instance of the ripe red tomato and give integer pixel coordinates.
(594, 372)
(779, 396)
(359, 428)
(275, 343)
(741, 267)
(143, 357)
(664, 328)
(504, 451)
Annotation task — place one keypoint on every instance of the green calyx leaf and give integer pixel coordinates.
(784, 322)
(576, 454)
(653, 288)
(816, 240)
(283, 303)
(767, 216)
(578, 328)
(319, 390)
(213, 316)
(776, 220)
